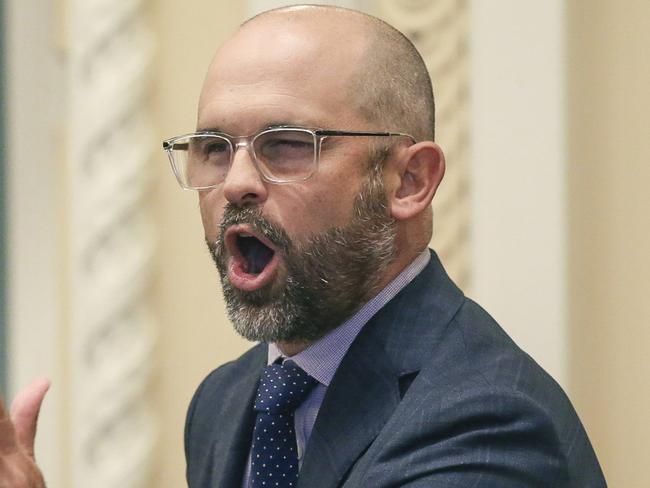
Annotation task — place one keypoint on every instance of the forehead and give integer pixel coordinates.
(283, 70)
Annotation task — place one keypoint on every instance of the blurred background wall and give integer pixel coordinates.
(548, 132)
(609, 230)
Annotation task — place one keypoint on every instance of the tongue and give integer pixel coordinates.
(257, 255)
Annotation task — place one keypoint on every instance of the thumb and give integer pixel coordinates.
(24, 412)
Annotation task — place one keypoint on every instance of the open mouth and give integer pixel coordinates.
(255, 253)
(253, 259)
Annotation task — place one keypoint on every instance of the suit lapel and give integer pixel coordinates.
(365, 390)
(237, 419)
(360, 399)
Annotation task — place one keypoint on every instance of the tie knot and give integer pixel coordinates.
(282, 388)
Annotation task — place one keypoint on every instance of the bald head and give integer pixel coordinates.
(392, 85)
(368, 67)
(287, 63)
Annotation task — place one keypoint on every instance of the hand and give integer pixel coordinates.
(17, 432)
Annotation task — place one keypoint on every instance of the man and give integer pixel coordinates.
(315, 167)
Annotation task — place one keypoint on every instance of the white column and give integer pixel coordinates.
(518, 165)
(110, 242)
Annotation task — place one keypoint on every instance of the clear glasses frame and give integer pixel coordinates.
(317, 135)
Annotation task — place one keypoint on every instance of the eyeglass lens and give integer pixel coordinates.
(282, 155)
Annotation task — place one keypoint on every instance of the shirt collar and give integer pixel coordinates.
(321, 359)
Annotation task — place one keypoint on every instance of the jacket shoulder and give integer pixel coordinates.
(495, 394)
(218, 388)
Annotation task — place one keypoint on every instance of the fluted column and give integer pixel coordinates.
(438, 29)
(111, 241)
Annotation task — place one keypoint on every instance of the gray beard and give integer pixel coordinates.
(329, 277)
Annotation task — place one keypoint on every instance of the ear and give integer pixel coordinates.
(419, 172)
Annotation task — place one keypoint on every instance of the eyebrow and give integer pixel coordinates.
(270, 125)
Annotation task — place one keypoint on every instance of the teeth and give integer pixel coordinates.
(244, 234)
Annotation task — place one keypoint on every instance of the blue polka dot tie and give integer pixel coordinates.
(274, 457)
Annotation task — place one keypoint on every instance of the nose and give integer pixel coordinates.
(243, 184)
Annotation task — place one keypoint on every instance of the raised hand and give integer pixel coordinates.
(18, 468)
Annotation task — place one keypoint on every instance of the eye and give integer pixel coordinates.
(287, 144)
(281, 147)
(215, 146)
(209, 150)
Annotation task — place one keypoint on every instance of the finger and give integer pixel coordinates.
(7, 432)
(24, 412)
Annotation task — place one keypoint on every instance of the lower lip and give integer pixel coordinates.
(239, 278)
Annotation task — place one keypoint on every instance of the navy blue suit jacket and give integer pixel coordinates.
(432, 393)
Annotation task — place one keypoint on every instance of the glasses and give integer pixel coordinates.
(201, 160)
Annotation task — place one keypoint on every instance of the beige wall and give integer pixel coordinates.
(194, 336)
(517, 173)
(609, 178)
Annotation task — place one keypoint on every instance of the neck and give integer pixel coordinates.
(289, 349)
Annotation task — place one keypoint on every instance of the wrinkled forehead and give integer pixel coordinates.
(286, 60)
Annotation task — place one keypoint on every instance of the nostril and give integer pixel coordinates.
(249, 197)
(243, 183)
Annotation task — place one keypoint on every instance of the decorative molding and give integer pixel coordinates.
(111, 243)
(438, 28)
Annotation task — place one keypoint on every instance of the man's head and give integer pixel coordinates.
(298, 258)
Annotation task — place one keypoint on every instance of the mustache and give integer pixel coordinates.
(252, 215)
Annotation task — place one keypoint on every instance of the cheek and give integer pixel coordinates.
(211, 211)
(333, 208)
